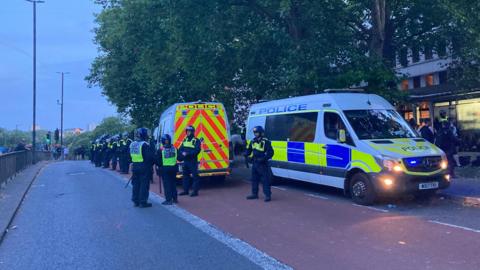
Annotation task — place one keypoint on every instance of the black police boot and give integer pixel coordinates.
(252, 197)
(174, 201)
(183, 193)
(194, 194)
(167, 203)
(145, 205)
(267, 199)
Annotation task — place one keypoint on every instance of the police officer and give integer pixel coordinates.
(189, 151)
(143, 160)
(260, 150)
(106, 153)
(167, 166)
(92, 152)
(115, 151)
(99, 153)
(125, 153)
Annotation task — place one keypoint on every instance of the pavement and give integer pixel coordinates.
(305, 227)
(465, 191)
(80, 217)
(13, 193)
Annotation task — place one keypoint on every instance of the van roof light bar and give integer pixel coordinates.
(345, 90)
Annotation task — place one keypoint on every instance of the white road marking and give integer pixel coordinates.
(78, 173)
(454, 226)
(316, 196)
(253, 254)
(371, 208)
(280, 188)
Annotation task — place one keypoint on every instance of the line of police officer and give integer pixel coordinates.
(143, 157)
(109, 151)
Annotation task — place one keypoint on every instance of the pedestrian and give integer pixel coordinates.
(189, 151)
(412, 123)
(66, 151)
(143, 161)
(260, 151)
(167, 168)
(455, 132)
(447, 141)
(426, 131)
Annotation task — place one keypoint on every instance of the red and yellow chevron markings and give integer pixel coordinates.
(209, 122)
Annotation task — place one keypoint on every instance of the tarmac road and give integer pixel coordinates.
(78, 217)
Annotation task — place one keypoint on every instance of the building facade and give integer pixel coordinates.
(426, 82)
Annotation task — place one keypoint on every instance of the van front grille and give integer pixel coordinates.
(423, 164)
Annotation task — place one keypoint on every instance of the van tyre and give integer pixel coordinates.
(361, 189)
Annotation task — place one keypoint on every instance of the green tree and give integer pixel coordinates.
(155, 53)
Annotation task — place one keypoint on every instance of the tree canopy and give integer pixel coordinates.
(155, 53)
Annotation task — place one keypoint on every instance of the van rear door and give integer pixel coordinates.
(210, 124)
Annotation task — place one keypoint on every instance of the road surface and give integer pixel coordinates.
(78, 217)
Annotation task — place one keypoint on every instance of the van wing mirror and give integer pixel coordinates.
(342, 136)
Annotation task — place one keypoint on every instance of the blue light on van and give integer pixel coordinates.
(413, 162)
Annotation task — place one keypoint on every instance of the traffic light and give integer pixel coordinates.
(57, 135)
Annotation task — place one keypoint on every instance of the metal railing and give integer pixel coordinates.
(13, 163)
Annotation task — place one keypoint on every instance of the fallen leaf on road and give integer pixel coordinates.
(402, 243)
(13, 227)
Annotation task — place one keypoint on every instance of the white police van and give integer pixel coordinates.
(350, 140)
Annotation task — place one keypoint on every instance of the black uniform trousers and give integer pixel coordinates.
(106, 159)
(124, 162)
(190, 174)
(141, 184)
(169, 180)
(114, 161)
(261, 173)
(98, 159)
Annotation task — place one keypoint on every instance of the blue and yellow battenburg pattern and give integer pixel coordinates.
(324, 155)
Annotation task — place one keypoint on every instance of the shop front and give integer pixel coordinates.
(462, 108)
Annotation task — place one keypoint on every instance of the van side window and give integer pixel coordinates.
(331, 124)
(298, 127)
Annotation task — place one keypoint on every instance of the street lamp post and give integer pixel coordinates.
(34, 127)
(61, 111)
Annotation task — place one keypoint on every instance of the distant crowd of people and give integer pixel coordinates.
(444, 133)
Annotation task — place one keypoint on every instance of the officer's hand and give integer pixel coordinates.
(184, 154)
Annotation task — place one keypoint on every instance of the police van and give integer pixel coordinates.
(349, 140)
(211, 128)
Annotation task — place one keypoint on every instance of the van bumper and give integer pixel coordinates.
(208, 173)
(407, 184)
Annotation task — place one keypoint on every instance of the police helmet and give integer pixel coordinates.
(190, 128)
(166, 137)
(258, 129)
(141, 133)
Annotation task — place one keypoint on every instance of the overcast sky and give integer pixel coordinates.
(64, 43)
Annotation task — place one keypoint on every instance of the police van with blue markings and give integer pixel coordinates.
(351, 140)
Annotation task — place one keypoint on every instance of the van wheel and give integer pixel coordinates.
(361, 189)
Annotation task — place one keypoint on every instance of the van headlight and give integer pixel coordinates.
(392, 165)
(443, 164)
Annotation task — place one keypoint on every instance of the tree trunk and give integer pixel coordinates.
(377, 38)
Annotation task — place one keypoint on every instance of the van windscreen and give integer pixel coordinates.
(378, 124)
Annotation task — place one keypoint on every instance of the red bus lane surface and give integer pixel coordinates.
(307, 232)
